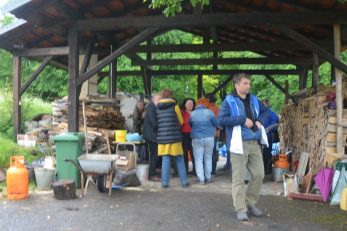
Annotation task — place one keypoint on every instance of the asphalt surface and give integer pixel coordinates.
(151, 208)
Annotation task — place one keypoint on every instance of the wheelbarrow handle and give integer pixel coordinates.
(77, 165)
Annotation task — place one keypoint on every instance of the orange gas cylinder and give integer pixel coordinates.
(17, 179)
(282, 161)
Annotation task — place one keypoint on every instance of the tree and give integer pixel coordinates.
(172, 7)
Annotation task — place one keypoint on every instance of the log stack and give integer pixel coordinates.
(311, 127)
(103, 116)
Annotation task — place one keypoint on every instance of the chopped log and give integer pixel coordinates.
(64, 189)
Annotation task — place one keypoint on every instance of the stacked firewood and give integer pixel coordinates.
(103, 116)
(311, 127)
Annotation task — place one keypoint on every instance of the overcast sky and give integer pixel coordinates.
(2, 2)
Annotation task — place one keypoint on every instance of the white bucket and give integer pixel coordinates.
(142, 172)
(44, 178)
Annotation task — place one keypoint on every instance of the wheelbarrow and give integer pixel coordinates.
(94, 165)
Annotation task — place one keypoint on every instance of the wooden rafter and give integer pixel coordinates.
(218, 19)
(35, 74)
(121, 50)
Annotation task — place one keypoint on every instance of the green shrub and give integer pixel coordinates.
(30, 108)
(9, 148)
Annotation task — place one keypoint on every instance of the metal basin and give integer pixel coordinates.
(96, 163)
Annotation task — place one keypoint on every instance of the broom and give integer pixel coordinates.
(306, 196)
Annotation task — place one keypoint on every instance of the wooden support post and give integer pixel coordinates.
(200, 87)
(17, 73)
(303, 79)
(113, 79)
(315, 73)
(339, 94)
(148, 73)
(73, 88)
(332, 75)
(286, 87)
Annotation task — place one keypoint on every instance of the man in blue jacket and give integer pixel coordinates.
(243, 112)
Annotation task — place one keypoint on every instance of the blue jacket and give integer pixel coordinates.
(235, 115)
(203, 123)
(271, 119)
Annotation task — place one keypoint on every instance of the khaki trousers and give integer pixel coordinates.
(247, 195)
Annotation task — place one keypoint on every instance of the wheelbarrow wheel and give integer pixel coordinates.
(101, 183)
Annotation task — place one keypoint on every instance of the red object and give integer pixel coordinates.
(185, 126)
(282, 161)
(17, 179)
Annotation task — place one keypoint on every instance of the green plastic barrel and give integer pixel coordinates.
(69, 146)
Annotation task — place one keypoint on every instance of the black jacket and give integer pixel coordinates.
(150, 125)
(169, 129)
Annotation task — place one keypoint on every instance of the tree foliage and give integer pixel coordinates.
(172, 7)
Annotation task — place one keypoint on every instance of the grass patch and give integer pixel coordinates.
(30, 108)
(9, 148)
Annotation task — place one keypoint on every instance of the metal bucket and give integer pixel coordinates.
(277, 174)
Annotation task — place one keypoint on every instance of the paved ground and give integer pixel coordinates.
(151, 208)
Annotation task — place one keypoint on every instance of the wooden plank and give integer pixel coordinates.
(312, 46)
(332, 128)
(17, 74)
(333, 120)
(121, 50)
(239, 46)
(35, 74)
(210, 72)
(34, 52)
(217, 19)
(338, 92)
(73, 89)
(217, 61)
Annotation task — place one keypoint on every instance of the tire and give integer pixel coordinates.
(101, 183)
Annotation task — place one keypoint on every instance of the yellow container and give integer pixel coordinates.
(120, 135)
(343, 202)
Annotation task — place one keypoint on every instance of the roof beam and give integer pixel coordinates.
(218, 61)
(209, 72)
(52, 51)
(218, 19)
(315, 48)
(242, 46)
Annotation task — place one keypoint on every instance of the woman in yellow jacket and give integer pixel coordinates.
(169, 138)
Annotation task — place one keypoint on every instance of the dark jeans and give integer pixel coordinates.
(267, 158)
(187, 145)
(214, 156)
(228, 162)
(153, 158)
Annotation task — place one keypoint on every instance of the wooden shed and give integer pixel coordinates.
(303, 33)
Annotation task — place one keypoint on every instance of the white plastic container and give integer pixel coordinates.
(142, 172)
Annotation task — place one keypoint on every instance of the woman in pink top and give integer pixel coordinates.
(187, 107)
